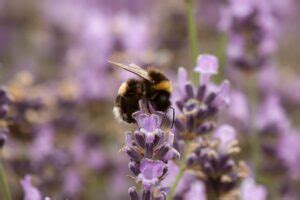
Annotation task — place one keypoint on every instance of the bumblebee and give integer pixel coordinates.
(154, 87)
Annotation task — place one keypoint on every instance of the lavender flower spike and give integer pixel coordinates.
(149, 149)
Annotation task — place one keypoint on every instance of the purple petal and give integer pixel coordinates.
(251, 191)
(151, 170)
(223, 97)
(30, 192)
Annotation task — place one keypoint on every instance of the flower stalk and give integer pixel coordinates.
(181, 171)
(192, 30)
(4, 183)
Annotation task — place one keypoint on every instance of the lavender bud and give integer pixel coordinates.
(156, 140)
(161, 196)
(202, 129)
(201, 92)
(180, 105)
(134, 168)
(146, 195)
(179, 125)
(140, 140)
(149, 150)
(208, 168)
(192, 159)
(133, 154)
(189, 90)
(212, 110)
(202, 112)
(210, 98)
(133, 193)
(162, 151)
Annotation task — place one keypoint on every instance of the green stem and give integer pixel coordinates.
(252, 93)
(182, 168)
(192, 31)
(4, 183)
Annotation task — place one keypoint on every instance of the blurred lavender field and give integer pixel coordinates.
(233, 65)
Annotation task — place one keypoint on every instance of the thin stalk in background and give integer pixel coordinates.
(182, 168)
(192, 30)
(252, 94)
(4, 183)
(193, 41)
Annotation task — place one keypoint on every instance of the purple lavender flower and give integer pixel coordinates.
(226, 135)
(207, 65)
(271, 115)
(202, 105)
(251, 191)
(31, 192)
(239, 110)
(149, 149)
(210, 159)
(252, 29)
(151, 172)
(289, 152)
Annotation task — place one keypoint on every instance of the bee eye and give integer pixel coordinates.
(162, 98)
(159, 98)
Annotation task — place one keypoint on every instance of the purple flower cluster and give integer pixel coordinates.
(149, 149)
(213, 161)
(252, 28)
(210, 156)
(198, 108)
(277, 140)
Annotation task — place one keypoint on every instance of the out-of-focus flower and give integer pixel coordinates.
(31, 192)
(253, 30)
(226, 135)
(239, 110)
(43, 143)
(196, 192)
(271, 115)
(289, 152)
(251, 191)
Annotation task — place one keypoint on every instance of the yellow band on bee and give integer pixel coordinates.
(163, 85)
(122, 88)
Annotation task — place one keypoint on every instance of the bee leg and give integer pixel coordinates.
(173, 120)
(173, 116)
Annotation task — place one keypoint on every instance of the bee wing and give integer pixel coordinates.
(133, 69)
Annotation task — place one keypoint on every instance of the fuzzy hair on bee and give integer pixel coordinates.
(153, 87)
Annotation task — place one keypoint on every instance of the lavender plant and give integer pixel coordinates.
(209, 157)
